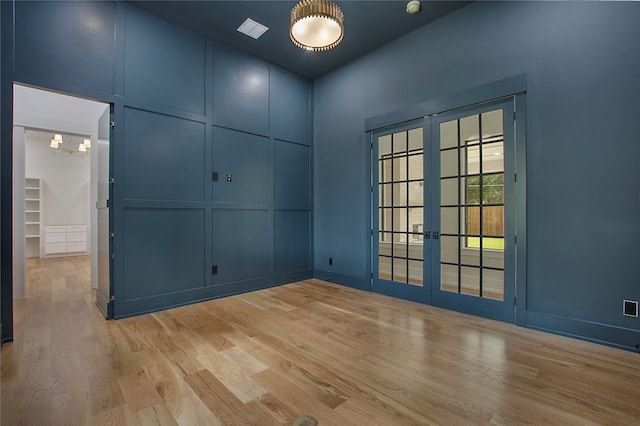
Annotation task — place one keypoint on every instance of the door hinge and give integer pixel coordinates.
(113, 235)
(515, 301)
(214, 176)
(427, 235)
(515, 177)
(515, 239)
(112, 181)
(514, 116)
(112, 124)
(371, 232)
(113, 255)
(214, 269)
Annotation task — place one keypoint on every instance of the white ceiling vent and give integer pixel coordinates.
(252, 28)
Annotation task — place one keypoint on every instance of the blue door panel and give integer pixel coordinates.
(163, 251)
(292, 175)
(56, 40)
(240, 91)
(164, 65)
(163, 157)
(290, 108)
(242, 247)
(246, 158)
(291, 241)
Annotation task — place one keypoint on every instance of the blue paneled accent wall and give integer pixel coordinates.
(188, 112)
(582, 206)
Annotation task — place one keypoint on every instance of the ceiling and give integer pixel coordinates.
(368, 25)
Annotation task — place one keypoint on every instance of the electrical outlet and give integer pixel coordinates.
(630, 308)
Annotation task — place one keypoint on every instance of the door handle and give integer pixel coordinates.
(436, 235)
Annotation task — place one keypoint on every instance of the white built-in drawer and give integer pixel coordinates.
(55, 237)
(65, 239)
(55, 248)
(74, 237)
(79, 246)
(57, 229)
(77, 228)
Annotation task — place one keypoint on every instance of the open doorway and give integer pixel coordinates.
(54, 181)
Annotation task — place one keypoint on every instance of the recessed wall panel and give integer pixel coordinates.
(291, 241)
(240, 91)
(163, 251)
(164, 65)
(242, 247)
(66, 45)
(245, 157)
(292, 175)
(163, 157)
(290, 107)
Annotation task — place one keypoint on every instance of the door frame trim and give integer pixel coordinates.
(405, 290)
(515, 87)
(473, 96)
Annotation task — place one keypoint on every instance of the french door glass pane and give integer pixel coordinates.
(472, 205)
(449, 277)
(400, 220)
(416, 195)
(400, 169)
(470, 280)
(400, 194)
(449, 249)
(449, 134)
(493, 283)
(401, 206)
(416, 171)
(449, 220)
(469, 130)
(449, 191)
(400, 142)
(449, 163)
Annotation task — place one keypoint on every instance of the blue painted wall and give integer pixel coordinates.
(582, 66)
(185, 107)
(4, 222)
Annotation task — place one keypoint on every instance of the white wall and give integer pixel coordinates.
(65, 178)
(19, 242)
(39, 109)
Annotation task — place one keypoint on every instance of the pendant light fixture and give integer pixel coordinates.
(55, 141)
(316, 25)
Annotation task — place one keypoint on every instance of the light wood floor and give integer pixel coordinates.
(311, 348)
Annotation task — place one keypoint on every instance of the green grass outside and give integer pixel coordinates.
(487, 243)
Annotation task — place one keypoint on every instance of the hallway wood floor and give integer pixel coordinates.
(313, 348)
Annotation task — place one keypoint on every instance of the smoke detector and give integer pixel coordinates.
(413, 7)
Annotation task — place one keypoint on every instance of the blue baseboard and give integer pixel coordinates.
(346, 280)
(4, 340)
(133, 307)
(604, 334)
